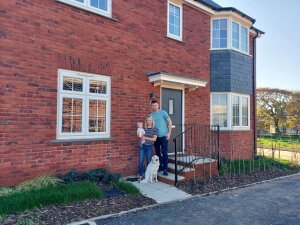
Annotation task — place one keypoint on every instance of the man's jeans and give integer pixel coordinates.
(161, 150)
(145, 150)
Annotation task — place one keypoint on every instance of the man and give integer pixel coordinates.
(164, 125)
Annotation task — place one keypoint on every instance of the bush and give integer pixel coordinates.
(39, 182)
(93, 175)
(6, 191)
(128, 188)
(60, 194)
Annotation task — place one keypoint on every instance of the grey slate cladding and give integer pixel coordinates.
(231, 71)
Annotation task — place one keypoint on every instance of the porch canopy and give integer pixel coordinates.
(167, 79)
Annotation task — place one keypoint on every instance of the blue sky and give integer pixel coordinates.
(278, 50)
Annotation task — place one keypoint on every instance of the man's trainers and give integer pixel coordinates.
(165, 173)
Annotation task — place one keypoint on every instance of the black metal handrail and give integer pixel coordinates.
(194, 143)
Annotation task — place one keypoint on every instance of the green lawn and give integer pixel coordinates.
(287, 141)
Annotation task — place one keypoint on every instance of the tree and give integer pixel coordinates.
(293, 112)
(271, 107)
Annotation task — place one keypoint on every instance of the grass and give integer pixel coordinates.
(287, 141)
(259, 163)
(60, 194)
(128, 188)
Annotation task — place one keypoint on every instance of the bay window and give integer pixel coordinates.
(229, 34)
(230, 111)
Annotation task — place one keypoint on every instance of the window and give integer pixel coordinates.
(219, 109)
(83, 106)
(102, 7)
(235, 35)
(230, 111)
(219, 34)
(174, 21)
(226, 36)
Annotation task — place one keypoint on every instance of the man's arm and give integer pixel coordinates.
(169, 121)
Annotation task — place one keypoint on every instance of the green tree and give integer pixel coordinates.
(293, 111)
(271, 108)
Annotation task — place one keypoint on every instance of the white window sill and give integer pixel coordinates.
(81, 140)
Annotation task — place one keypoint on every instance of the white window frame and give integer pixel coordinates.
(86, 5)
(168, 22)
(85, 95)
(229, 35)
(230, 111)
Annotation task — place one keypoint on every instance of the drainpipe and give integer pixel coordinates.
(254, 92)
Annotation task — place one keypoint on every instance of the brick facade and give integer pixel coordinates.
(40, 37)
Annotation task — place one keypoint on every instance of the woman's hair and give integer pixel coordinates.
(153, 123)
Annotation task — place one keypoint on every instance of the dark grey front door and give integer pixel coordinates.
(172, 104)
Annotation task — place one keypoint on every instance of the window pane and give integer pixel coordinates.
(223, 24)
(219, 110)
(97, 116)
(72, 115)
(244, 39)
(100, 4)
(244, 111)
(223, 43)
(235, 111)
(98, 87)
(235, 35)
(72, 84)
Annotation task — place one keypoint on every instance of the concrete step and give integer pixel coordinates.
(191, 158)
(170, 179)
(171, 166)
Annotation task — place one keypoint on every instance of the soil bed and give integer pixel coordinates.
(117, 201)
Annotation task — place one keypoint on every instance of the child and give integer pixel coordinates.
(140, 133)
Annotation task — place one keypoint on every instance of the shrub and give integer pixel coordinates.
(6, 191)
(39, 182)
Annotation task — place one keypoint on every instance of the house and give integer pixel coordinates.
(77, 75)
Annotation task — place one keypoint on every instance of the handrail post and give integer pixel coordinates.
(174, 140)
(218, 128)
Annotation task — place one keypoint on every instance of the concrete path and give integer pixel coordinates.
(161, 192)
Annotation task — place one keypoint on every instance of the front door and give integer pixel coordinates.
(172, 104)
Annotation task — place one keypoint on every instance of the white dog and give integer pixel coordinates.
(151, 171)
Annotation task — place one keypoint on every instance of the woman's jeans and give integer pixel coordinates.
(145, 150)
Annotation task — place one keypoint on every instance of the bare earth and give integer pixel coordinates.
(116, 201)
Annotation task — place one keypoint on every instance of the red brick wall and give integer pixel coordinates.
(40, 37)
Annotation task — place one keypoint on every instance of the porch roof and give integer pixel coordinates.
(164, 78)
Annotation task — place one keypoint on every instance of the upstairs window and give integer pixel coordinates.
(228, 34)
(174, 21)
(83, 106)
(102, 7)
(219, 33)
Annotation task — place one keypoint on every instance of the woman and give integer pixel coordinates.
(146, 149)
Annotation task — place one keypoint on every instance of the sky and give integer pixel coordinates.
(278, 50)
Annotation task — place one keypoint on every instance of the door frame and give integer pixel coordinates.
(177, 87)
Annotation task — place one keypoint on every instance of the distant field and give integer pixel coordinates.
(287, 141)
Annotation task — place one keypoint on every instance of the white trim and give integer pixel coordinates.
(174, 81)
(181, 19)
